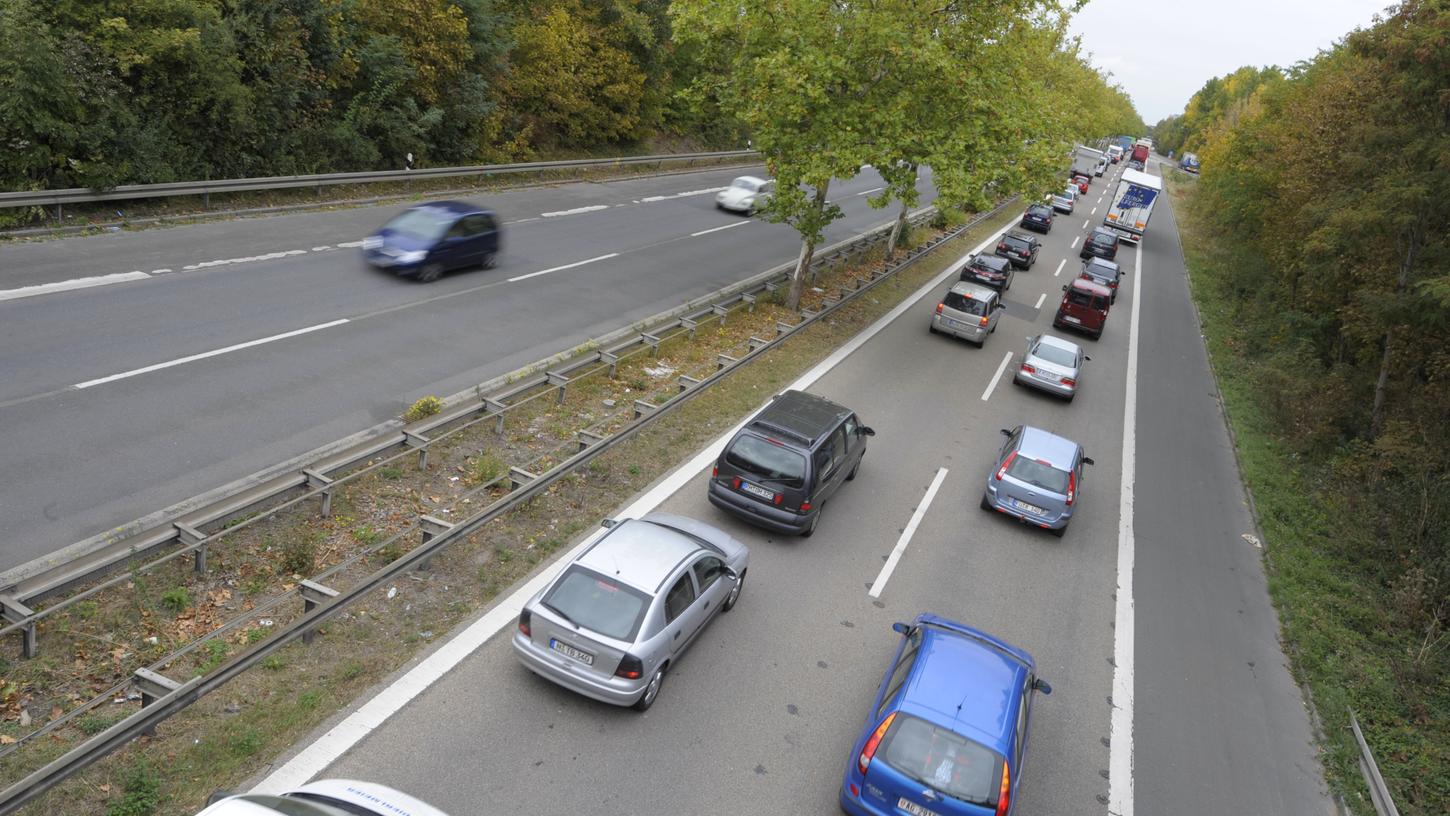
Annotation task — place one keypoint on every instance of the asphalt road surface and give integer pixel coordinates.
(760, 715)
(116, 404)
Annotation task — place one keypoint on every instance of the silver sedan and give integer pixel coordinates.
(1051, 364)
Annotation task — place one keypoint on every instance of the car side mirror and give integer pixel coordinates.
(734, 576)
(1042, 685)
(1086, 359)
(865, 431)
(1064, 287)
(1088, 460)
(901, 628)
(609, 523)
(1006, 432)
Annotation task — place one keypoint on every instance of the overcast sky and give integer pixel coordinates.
(1161, 51)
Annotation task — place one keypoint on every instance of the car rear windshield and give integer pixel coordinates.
(1038, 209)
(767, 461)
(598, 603)
(1016, 243)
(1078, 297)
(990, 262)
(420, 224)
(963, 303)
(943, 760)
(1038, 474)
(1055, 355)
(1103, 240)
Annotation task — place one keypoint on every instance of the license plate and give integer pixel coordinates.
(914, 809)
(569, 651)
(1071, 319)
(756, 490)
(1031, 508)
(954, 324)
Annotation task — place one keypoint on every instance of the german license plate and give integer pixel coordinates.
(955, 324)
(1071, 319)
(914, 809)
(1031, 508)
(757, 490)
(571, 652)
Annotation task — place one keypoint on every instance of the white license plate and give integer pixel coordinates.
(956, 324)
(569, 651)
(1030, 508)
(914, 809)
(756, 490)
(1071, 319)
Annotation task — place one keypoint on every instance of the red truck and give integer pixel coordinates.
(1140, 154)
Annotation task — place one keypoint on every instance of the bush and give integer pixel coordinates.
(486, 468)
(176, 599)
(423, 408)
(299, 555)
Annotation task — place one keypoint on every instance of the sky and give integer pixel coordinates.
(1162, 51)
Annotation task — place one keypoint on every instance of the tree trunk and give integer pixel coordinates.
(896, 231)
(1413, 240)
(808, 249)
(1377, 415)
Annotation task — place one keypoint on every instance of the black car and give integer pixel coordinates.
(1103, 243)
(1103, 271)
(780, 469)
(1038, 217)
(991, 270)
(1020, 249)
(425, 241)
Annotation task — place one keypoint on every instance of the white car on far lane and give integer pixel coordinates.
(745, 194)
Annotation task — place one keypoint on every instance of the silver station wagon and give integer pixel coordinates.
(614, 619)
(968, 311)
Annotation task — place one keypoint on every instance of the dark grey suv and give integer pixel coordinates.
(780, 469)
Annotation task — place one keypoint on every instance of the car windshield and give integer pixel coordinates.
(964, 303)
(1038, 474)
(943, 760)
(1102, 239)
(767, 461)
(745, 184)
(422, 224)
(595, 602)
(1055, 355)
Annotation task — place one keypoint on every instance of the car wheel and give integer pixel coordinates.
(1060, 531)
(815, 522)
(734, 594)
(430, 272)
(986, 505)
(490, 260)
(651, 691)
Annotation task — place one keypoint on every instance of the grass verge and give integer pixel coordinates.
(1337, 617)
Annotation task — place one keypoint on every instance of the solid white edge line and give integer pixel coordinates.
(1040, 299)
(69, 285)
(213, 353)
(717, 229)
(910, 530)
(992, 386)
(561, 268)
(1120, 732)
(325, 750)
(1060, 265)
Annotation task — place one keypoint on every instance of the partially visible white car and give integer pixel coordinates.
(745, 194)
(326, 797)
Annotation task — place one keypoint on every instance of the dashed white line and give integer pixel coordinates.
(653, 199)
(561, 268)
(991, 386)
(890, 566)
(349, 245)
(1095, 210)
(1074, 242)
(530, 218)
(321, 249)
(1040, 299)
(575, 211)
(205, 354)
(1087, 221)
(717, 229)
(68, 285)
(870, 191)
(1061, 264)
(160, 271)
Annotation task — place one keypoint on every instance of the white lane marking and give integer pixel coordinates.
(575, 211)
(523, 220)
(1095, 210)
(205, 354)
(1074, 242)
(68, 285)
(1060, 265)
(1040, 299)
(910, 530)
(321, 249)
(315, 758)
(349, 245)
(1120, 732)
(160, 271)
(270, 256)
(561, 268)
(653, 199)
(1087, 221)
(870, 191)
(717, 229)
(991, 386)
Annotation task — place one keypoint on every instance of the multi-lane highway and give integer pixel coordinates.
(1150, 617)
(144, 368)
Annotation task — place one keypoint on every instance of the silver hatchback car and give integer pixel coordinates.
(1038, 478)
(968, 311)
(1051, 364)
(614, 619)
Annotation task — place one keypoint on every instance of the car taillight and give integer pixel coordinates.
(1029, 369)
(1004, 797)
(779, 497)
(714, 471)
(982, 322)
(872, 744)
(1071, 487)
(630, 668)
(806, 506)
(1068, 381)
(1002, 471)
(939, 307)
(526, 618)
(1002, 247)
(735, 483)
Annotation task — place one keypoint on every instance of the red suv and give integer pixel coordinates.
(1084, 307)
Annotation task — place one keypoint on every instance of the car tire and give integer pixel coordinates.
(986, 505)
(1060, 531)
(490, 260)
(651, 690)
(734, 595)
(815, 522)
(430, 272)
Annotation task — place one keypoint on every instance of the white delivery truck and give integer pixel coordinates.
(1133, 205)
(1085, 161)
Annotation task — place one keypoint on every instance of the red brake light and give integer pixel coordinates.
(735, 483)
(1071, 487)
(714, 471)
(779, 497)
(1068, 381)
(875, 742)
(1004, 797)
(806, 506)
(1002, 471)
(1028, 368)
(630, 668)
(525, 619)
(982, 322)
(939, 307)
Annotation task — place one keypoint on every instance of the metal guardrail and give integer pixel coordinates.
(1379, 792)
(162, 697)
(82, 195)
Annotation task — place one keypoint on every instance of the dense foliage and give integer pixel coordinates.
(1330, 180)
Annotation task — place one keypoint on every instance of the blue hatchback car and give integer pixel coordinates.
(947, 732)
(430, 239)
